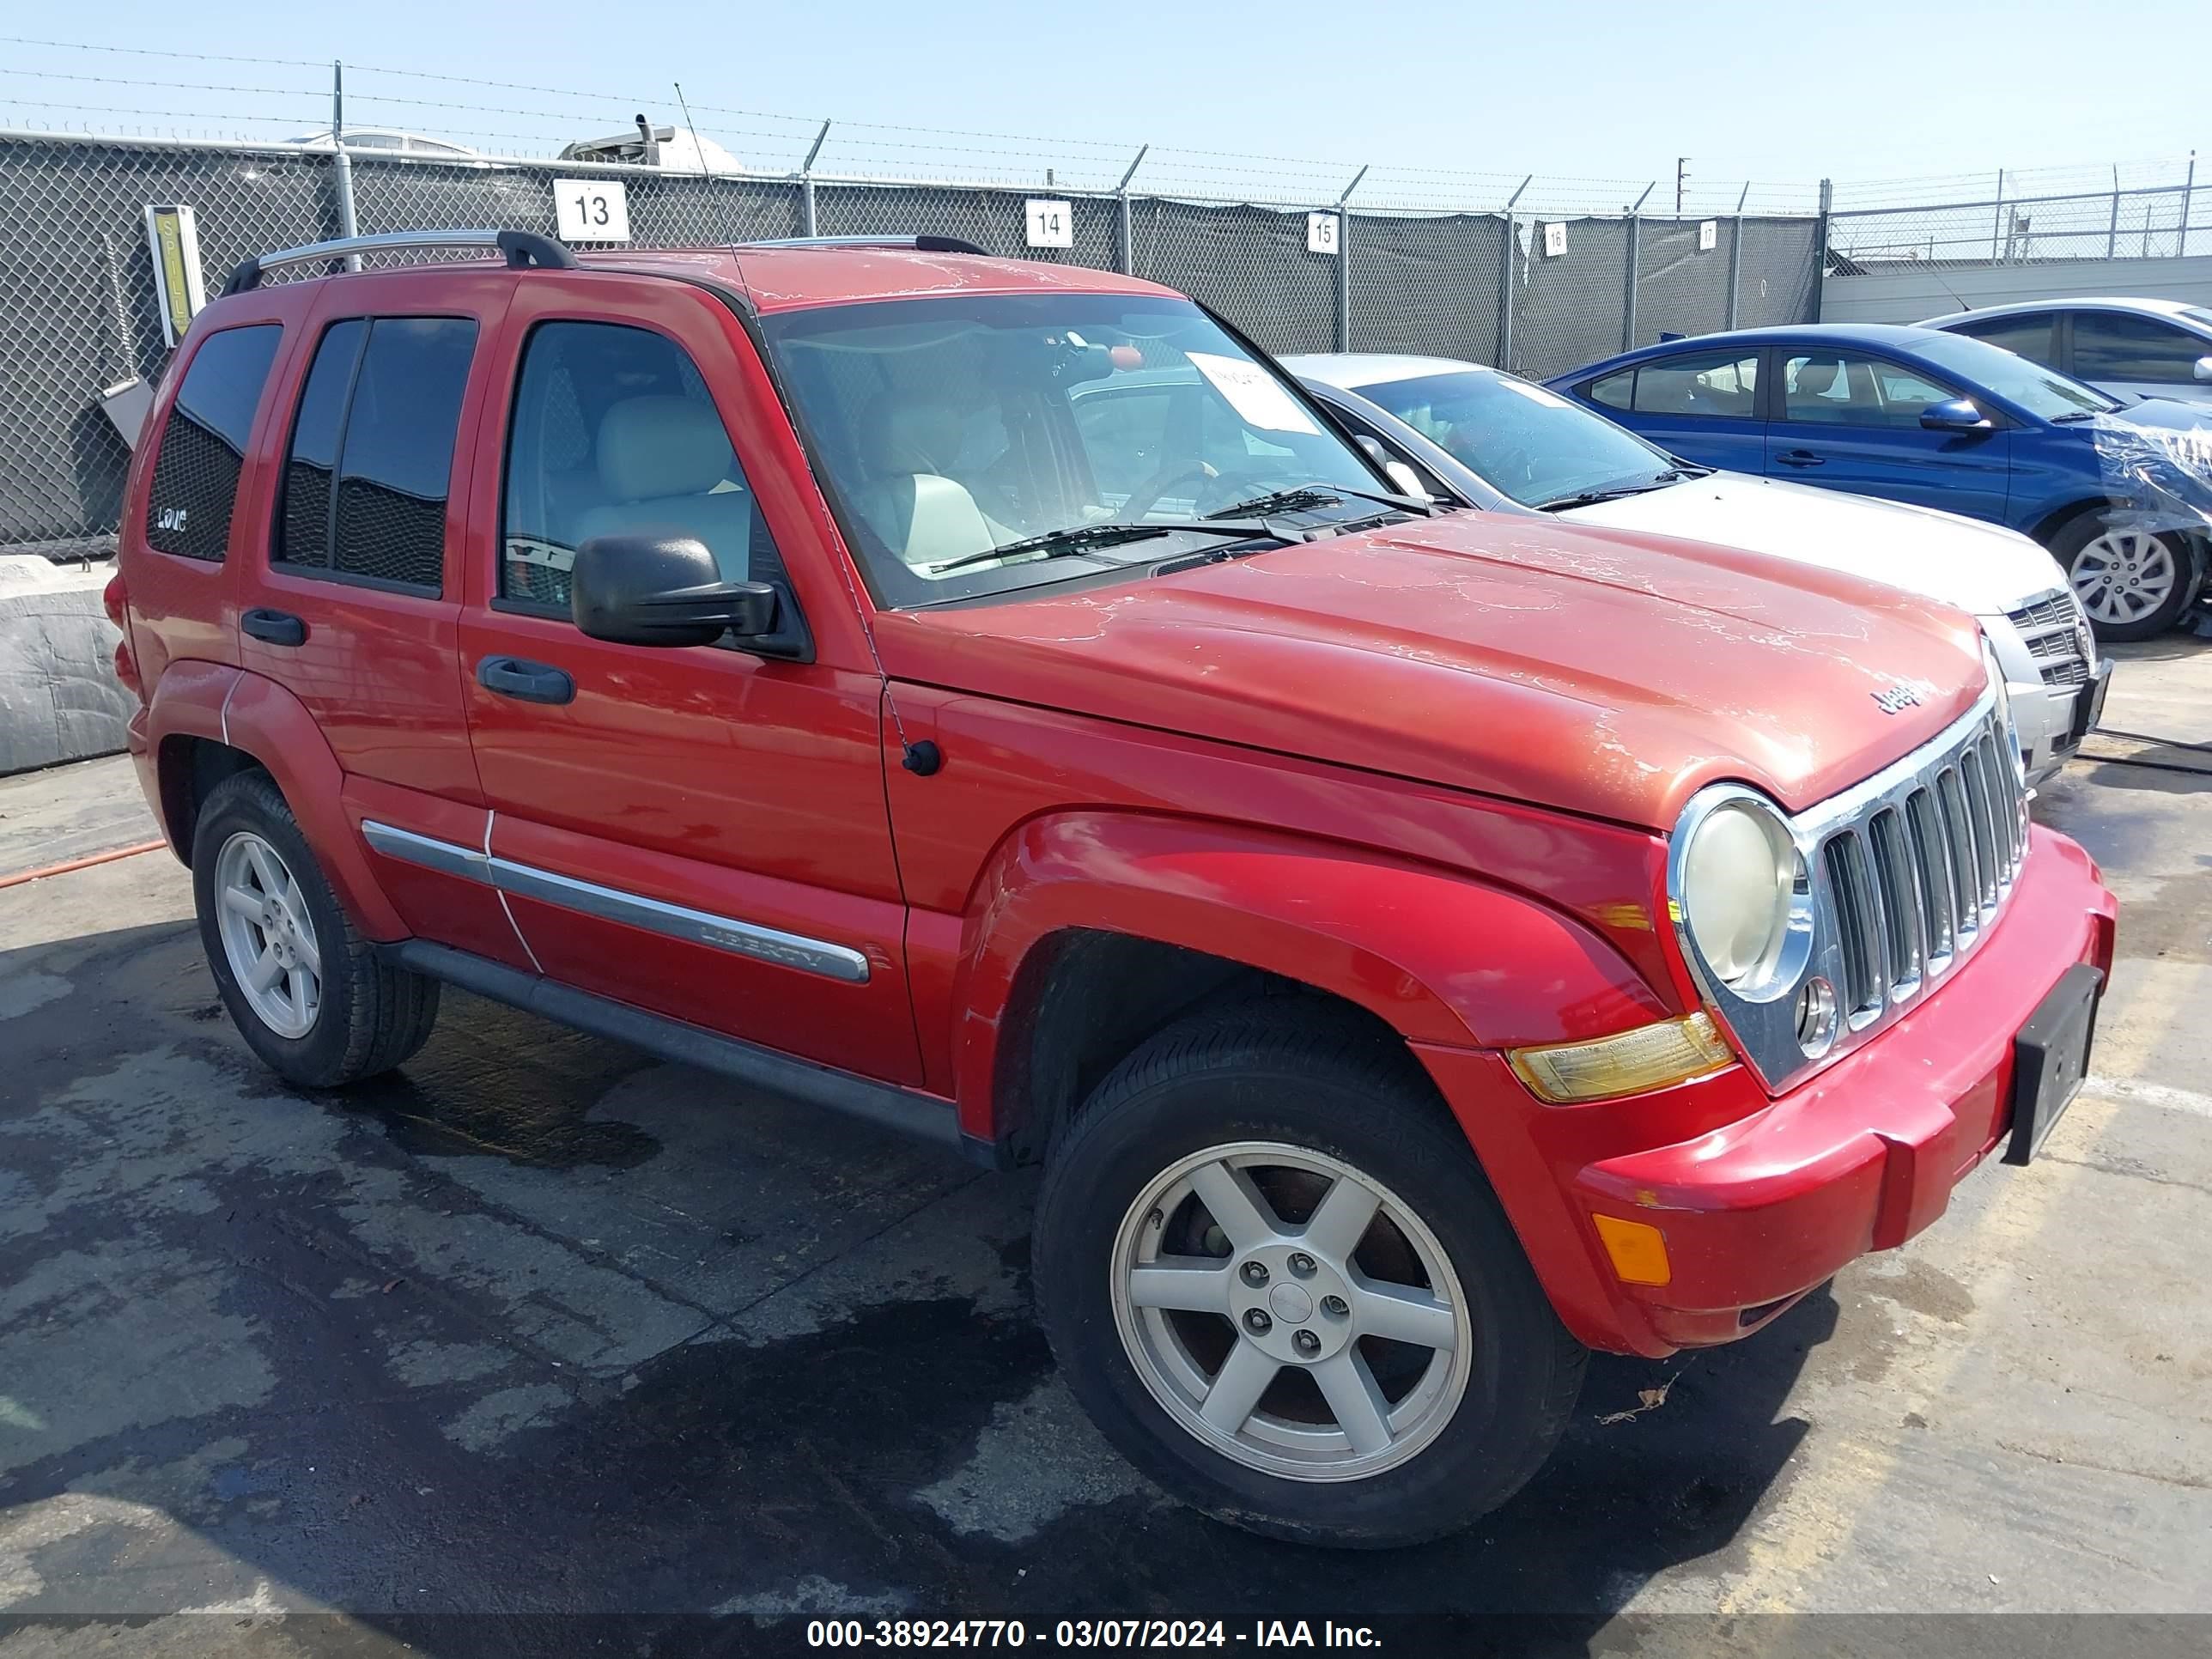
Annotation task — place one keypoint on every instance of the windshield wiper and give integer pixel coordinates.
(2082, 415)
(1306, 495)
(1592, 497)
(1082, 537)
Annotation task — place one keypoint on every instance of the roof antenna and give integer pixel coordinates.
(698, 149)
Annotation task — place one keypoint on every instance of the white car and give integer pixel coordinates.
(1494, 440)
(2130, 349)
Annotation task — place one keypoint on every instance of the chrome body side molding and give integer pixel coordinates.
(744, 938)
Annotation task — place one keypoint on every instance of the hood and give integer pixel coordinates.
(1592, 671)
(2175, 414)
(1980, 568)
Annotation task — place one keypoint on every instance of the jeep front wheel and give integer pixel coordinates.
(1275, 1276)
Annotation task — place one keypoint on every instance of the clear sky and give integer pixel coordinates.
(1774, 92)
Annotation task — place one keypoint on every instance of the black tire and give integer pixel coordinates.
(372, 1017)
(1273, 1071)
(2072, 539)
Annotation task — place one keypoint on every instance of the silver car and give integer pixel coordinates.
(1494, 440)
(2130, 349)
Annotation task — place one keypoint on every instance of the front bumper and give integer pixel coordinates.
(1762, 1199)
(2050, 719)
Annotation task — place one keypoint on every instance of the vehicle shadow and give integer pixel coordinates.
(540, 1332)
(2183, 641)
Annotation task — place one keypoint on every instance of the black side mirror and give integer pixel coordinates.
(662, 590)
(1956, 415)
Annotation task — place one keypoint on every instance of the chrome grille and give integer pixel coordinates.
(1931, 854)
(1925, 861)
(2052, 629)
(1906, 872)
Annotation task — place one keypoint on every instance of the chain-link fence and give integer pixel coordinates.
(2153, 222)
(79, 307)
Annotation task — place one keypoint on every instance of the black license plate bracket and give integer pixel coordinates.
(2051, 1056)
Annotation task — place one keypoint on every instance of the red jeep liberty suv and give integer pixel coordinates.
(991, 698)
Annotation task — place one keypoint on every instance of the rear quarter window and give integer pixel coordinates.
(1616, 391)
(2028, 336)
(202, 447)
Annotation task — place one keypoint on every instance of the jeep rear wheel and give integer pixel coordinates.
(307, 993)
(1274, 1275)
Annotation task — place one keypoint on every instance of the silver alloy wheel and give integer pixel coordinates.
(2124, 576)
(1210, 1333)
(267, 936)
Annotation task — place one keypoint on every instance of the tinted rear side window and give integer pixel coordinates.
(372, 453)
(203, 443)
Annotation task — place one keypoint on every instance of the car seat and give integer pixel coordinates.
(1808, 399)
(665, 468)
(907, 447)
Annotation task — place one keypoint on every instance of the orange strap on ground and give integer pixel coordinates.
(108, 857)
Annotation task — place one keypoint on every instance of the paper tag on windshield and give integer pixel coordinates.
(1253, 393)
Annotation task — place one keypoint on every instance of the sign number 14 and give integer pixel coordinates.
(1050, 224)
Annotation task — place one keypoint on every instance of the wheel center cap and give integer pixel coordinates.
(1290, 1303)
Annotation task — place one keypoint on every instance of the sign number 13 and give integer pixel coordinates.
(591, 209)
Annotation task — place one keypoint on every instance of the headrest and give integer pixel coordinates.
(658, 446)
(1817, 377)
(901, 436)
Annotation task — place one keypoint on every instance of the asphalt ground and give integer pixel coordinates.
(545, 1345)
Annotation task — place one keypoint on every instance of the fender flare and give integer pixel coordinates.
(1442, 957)
(259, 718)
(186, 702)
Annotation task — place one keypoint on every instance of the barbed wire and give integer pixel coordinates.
(777, 143)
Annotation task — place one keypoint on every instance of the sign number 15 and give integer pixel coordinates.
(591, 209)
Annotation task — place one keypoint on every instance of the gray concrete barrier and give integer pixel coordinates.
(59, 698)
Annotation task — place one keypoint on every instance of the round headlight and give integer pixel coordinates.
(1737, 873)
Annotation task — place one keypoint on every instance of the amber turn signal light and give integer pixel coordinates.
(1637, 1248)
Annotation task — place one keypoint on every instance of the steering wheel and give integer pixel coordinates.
(1147, 495)
(1515, 463)
(1212, 480)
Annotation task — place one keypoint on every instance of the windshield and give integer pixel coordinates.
(1532, 445)
(952, 426)
(2041, 392)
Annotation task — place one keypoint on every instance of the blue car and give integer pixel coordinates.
(2122, 500)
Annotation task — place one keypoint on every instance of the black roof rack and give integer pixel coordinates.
(923, 244)
(521, 248)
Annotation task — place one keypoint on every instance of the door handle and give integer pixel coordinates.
(531, 682)
(275, 626)
(1799, 458)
